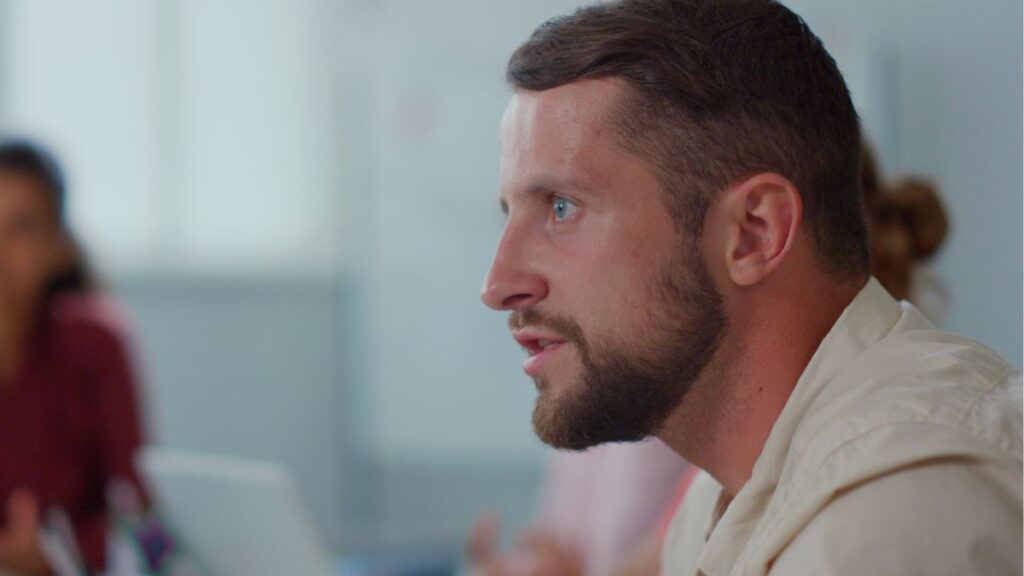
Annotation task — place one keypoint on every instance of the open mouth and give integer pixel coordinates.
(539, 349)
(534, 347)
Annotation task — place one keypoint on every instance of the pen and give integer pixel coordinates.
(59, 521)
(61, 561)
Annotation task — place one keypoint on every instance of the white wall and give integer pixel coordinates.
(446, 381)
(83, 76)
(250, 367)
(196, 135)
(960, 121)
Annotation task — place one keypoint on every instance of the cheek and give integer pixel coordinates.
(25, 267)
(602, 273)
(630, 275)
(614, 305)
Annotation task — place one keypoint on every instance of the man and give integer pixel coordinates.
(685, 256)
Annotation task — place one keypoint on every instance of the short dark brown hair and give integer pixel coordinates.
(719, 90)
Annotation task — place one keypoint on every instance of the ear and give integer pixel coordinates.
(761, 215)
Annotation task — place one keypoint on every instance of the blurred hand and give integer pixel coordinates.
(19, 548)
(536, 554)
(482, 542)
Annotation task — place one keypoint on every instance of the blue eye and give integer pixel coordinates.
(562, 208)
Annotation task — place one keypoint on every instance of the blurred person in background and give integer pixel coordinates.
(907, 224)
(69, 410)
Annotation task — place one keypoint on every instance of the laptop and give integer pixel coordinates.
(235, 517)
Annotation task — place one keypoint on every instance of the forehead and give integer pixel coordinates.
(565, 134)
(22, 192)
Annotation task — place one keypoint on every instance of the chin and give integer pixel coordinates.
(555, 421)
(555, 394)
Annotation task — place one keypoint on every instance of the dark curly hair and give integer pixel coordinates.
(32, 160)
(907, 222)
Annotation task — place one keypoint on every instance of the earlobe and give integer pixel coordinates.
(763, 214)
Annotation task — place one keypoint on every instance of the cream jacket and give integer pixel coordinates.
(899, 452)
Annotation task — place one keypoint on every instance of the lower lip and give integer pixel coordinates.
(535, 364)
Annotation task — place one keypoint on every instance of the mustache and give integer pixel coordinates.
(565, 327)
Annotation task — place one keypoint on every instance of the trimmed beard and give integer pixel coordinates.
(627, 396)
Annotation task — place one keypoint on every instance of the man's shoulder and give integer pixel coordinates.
(939, 517)
(919, 392)
(921, 411)
(690, 524)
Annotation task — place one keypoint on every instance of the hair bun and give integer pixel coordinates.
(920, 208)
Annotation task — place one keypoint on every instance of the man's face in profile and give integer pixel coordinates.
(613, 306)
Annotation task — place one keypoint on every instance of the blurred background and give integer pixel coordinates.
(296, 201)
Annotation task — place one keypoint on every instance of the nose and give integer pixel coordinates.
(513, 282)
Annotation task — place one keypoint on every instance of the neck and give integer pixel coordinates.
(726, 418)
(16, 322)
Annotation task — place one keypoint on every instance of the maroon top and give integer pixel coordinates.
(69, 421)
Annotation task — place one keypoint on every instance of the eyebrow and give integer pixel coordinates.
(547, 187)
